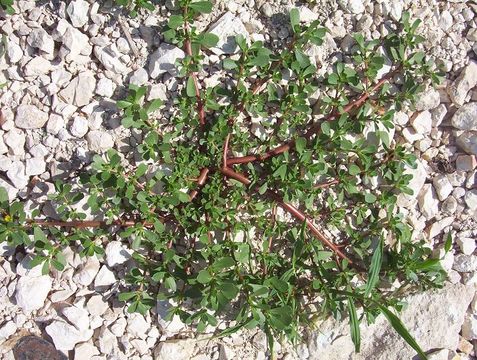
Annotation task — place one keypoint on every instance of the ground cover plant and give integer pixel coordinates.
(245, 205)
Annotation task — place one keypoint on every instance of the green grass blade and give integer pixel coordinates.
(354, 324)
(374, 269)
(397, 324)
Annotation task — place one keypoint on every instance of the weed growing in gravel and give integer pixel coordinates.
(242, 203)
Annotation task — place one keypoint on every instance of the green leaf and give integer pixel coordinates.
(229, 290)
(300, 144)
(229, 64)
(3, 195)
(175, 21)
(170, 283)
(154, 105)
(208, 40)
(39, 235)
(190, 89)
(281, 172)
(397, 324)
(333, 79)
(294, 19)
(203, 7)
(223, 263)
(354, 169)
(204, 277)
(370, 198)
(448, 243)
(374, 269)
(354, 325)
(281, 317)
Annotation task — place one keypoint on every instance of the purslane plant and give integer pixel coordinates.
(242, 202)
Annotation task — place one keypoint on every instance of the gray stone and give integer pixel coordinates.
(31, 292)
(468, 142)
(99, 141)
(80, 90)
(78, 12)
(40, 39)
(30, 117)
(164, 60)
(465, 263)
(226, 28)
(465, 81)
(424, 317)
(466, 117)
(466, 162)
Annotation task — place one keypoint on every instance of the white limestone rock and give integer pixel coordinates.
(35, 166)
(79, 128)
(86, 274)
(105, 87)
(469, 328)
(7, 330)
(139, 77)
(422, 123)
(96, 305)
(104, 278)
(465, 118)
(77, 317)
(15, 140)
(468, 142)
(109, 56)
(16, 174)
(466, 245)
(37, 66)
(427, 100)
(31, 292)
(78, 12)
(14, 52)
(443, 186)
(80, 90)
(85, 351)
(99, 141)
(465, 263)
(470, 199)
(226, 28)
(428, 201)
(66, 336)
(467, 79)
(175, 349)
(30, 117)
(40, 39)
(164, 60)
(137, 326)
(117, 253)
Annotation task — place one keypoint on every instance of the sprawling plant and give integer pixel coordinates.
(242, 202)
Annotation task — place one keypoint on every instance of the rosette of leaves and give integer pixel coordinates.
(244, 201)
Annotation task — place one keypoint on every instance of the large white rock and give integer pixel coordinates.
(80, 90)
(96, 305)
(77, 317)
(87, 272)
(116, 253)
(30, 117)
(226, 28)
(85, 351)
(16, 174)
(422, 123)
(468, 142)
(137, 326)
(465, 81)
(35, 166)
(79, 128)
(164, 60)
(40, 39)
(99, 141)
(465, 263)
(14, 52)
(470, 198)
(78, 12)
(37, 66)
(466, 245)
(175, 349)
(75, 43)
(427, 100)
(7, 330)
(428, 201)
(31, 292)
(465, 118)
(109, 57)
(443, 186)
(66, 336)
(105, 277)
(424, 318)
(15, 140)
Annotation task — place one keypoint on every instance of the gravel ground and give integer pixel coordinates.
(67, 62)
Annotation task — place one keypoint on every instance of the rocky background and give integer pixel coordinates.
(65, 64)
